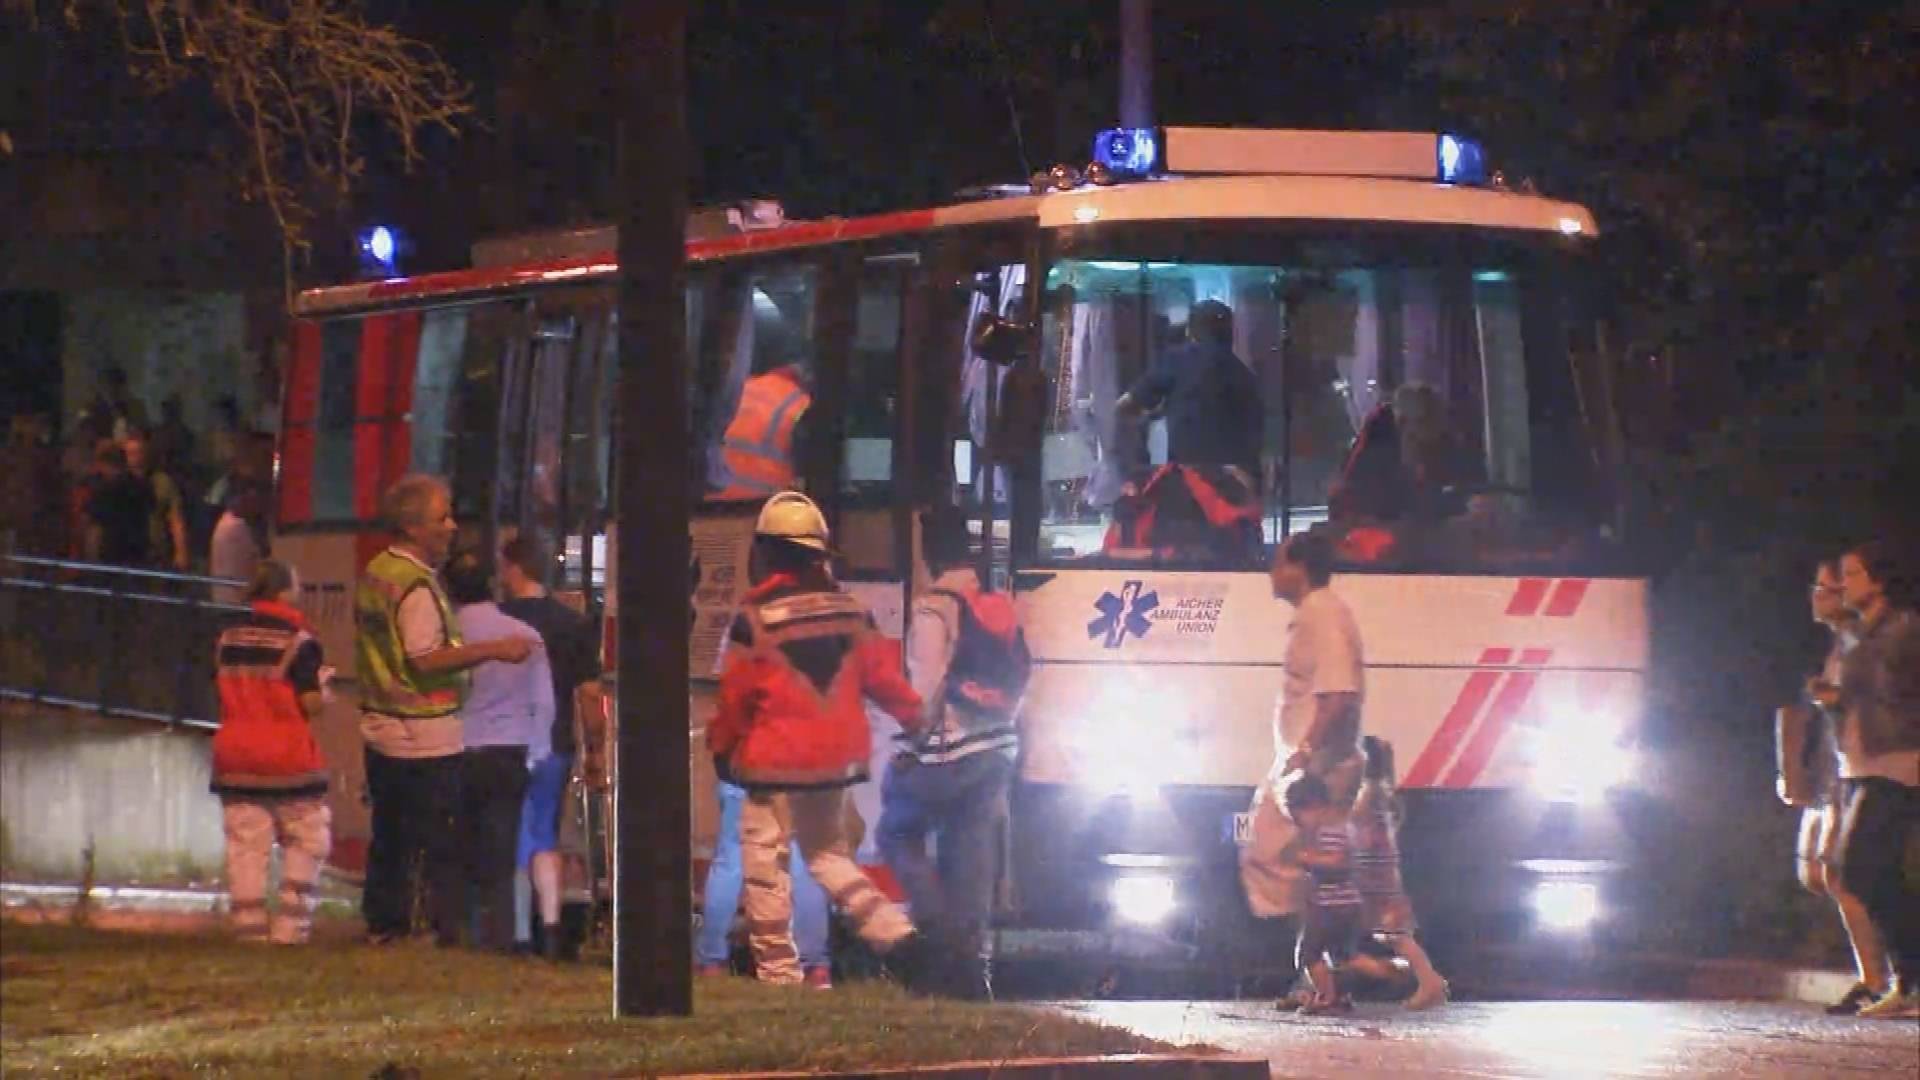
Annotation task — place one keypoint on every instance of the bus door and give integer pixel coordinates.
(554, 462)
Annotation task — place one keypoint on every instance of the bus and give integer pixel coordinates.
(1426, 386)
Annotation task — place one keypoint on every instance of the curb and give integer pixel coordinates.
(1645, 975)
(1137, 1066)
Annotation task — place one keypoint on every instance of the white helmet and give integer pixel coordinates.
(793, 517)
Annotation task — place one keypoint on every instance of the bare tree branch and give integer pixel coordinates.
(300, 79)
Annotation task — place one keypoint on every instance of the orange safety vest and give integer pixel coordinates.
(758, 447)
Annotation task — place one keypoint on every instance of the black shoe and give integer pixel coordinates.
(914, 963)
(552, 947)
(1855, 999)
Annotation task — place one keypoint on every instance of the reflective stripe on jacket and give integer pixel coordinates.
(389, 684)
(265, 745)
(800, 661)
(758, 447)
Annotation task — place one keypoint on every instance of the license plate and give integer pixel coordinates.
(1238, 829)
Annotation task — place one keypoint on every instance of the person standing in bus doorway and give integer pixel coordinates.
(573, 657)
(267, 768)
(763, 441)
(969, 662)
(1879, 701)
(791, 728)
(412, 664)
(505, 723)
(1316, 726)
(1809, 779)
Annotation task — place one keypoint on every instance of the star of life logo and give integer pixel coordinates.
(1124, 614)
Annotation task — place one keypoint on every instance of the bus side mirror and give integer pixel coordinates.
(1000, 340)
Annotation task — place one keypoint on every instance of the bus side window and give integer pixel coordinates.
(494, 331)
(872, 417)
(436, 379)
(763, 370)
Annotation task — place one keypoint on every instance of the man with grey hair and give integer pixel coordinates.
(412, 668)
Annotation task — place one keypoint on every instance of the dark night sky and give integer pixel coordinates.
(855, 107)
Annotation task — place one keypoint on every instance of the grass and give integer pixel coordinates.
(93, 1002)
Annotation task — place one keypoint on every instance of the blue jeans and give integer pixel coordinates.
(724, 876)
(963, 806)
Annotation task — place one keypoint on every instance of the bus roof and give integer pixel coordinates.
(1244, 198)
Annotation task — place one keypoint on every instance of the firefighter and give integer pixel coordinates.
(791, 729)
(758, 451)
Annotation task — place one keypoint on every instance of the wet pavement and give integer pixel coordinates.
(1535, 1039)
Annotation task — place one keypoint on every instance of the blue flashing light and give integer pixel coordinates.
(380, 251)
(1128, 152)
(1460, 161)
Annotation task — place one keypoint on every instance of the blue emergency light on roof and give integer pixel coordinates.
(1460, 161)
(1128, 153)
(379, 248)
(1133, 153)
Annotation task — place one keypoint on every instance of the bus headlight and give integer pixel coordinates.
(1561, 904)
(1579, 756)
(1142, 899)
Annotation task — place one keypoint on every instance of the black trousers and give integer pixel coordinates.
(493, 783)
(415, 801)
(1877, 816)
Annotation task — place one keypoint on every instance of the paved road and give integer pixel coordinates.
(1536, 1039)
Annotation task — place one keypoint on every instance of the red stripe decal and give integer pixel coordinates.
(303, 380)
(369, 401)
(1566, 597)
(1527, 595)
(296, 476)
(301, 399)
(1507, 705)
(365, 546)
(1459, 718)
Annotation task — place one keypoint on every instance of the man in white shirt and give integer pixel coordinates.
(1316, 723)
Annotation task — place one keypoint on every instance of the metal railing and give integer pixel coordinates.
(112, 639)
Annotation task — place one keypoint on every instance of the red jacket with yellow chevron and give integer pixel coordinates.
(800, 659)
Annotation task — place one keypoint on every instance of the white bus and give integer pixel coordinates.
(973, 354)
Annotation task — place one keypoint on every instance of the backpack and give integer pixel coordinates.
(990, 665)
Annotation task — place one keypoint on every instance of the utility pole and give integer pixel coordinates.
(1136, 63)
(652, 892)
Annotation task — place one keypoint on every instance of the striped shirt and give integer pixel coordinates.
(1376, 853)
(1333, 885)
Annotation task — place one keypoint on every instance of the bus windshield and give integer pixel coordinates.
(1215, 387)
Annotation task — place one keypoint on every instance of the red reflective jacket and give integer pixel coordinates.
(800, 660)
(265, 745)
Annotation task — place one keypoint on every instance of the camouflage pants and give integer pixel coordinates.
(769, 823)
(302, 828)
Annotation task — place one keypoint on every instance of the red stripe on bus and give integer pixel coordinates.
(1493, 730)
(1527, 594)
(366, 545)
(605, 264)
(369, 401)
(296, 476)
(302, 401)
(1566, 597)
(303, 376)
(1459, 719)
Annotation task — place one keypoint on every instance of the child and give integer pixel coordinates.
(1386, 911)
(1333, 910)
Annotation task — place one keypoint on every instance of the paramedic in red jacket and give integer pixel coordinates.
(267, 768)
(792, 730)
